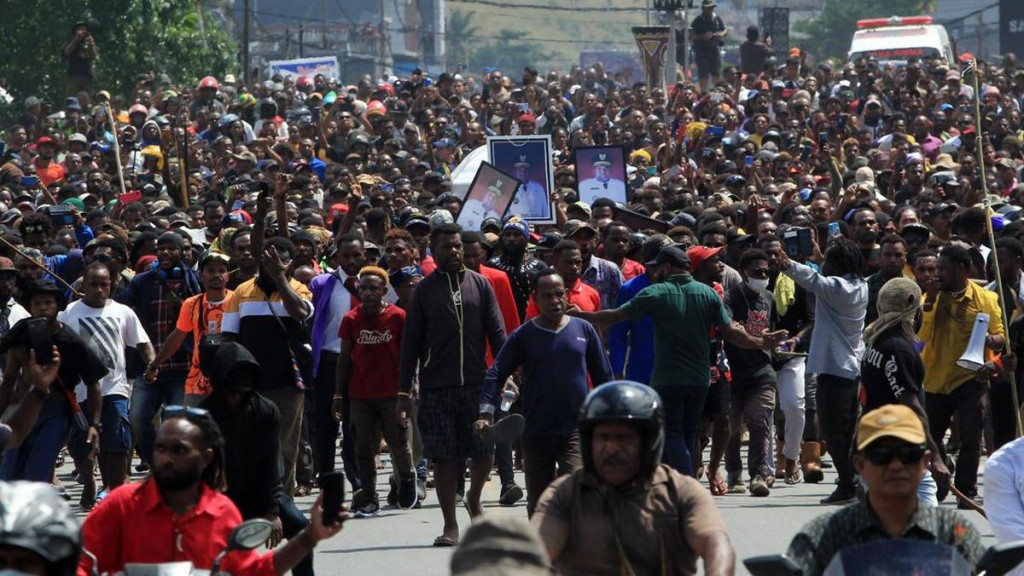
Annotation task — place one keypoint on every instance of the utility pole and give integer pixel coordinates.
(670, 59)
(383, 40)
(300, 39)
(245, 41)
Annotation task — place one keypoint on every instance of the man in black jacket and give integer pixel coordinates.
(253, 465)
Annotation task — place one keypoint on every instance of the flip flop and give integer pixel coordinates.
(718, 487)
(445, 542)
(505, 430)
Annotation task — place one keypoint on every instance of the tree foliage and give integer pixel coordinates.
(829, 34)
(132, 37)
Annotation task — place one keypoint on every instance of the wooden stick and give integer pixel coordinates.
(41, 267)
(1010, 376)
(968, 501)
(117, 149)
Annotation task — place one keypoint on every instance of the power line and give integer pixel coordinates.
(547, 6)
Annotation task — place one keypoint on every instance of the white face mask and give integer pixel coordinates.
(757, 284)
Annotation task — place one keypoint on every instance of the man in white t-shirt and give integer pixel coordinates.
(109, 327)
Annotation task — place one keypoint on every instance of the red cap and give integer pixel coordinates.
(245, 216)
(45, 140)
(969, 130)
(698, 254)
(528, 118)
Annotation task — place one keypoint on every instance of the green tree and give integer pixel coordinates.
(510, 51)
(460, 32)
(829, 34)
(132, 37)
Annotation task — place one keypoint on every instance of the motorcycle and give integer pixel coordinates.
(898, 557)
(248, 535)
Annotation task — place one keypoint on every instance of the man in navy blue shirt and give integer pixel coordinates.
(556, 353)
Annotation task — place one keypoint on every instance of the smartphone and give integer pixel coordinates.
(40, 339)
(805, 153)
(841, 122)
(61, 215)
(833, 229)
(128, 198)
(717, 97)
(30, 181)
(715, 131)
(333, 486)
(798, 242)
(749, 161)
(822, 139)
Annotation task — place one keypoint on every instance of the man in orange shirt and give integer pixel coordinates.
(47, 168)
(473, 256)
(568, 261)
(200, 316)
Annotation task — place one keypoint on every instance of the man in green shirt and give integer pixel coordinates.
(683, 311)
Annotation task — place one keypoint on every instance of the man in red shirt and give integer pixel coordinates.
(568, 261)
(47, 168)
(615, 241)
(178, 514)
(371, 345)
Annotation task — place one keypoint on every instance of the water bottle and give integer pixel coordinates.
(506, 399)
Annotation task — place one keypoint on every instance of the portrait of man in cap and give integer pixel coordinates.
(489, 197)
(601, 173)
(526, 158)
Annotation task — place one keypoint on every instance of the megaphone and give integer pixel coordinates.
(974, 357)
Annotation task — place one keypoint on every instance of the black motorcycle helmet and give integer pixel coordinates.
(625, 401)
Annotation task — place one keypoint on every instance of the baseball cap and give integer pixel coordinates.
(574, 227)
(674, 257)
(652, 245)
(549, 240)
(210, 256)
(892, 420)
(499, 546)
(698, 254)
(6, 265)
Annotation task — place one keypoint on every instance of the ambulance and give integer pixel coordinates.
(897, 39)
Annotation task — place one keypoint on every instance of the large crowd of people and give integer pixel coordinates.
(228, 271)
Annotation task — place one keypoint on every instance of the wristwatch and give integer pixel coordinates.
(97, 425)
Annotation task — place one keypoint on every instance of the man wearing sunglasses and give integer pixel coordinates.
(891, 458)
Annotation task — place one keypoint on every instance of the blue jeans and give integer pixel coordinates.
(147, 398)
(683, 408)
(293, 522)
(34, 460)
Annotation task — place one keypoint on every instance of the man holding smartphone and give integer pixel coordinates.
(35, 457)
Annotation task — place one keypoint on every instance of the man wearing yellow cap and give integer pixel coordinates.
(891, 458)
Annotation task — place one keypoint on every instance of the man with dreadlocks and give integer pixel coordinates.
(179, 513)
(891, 370)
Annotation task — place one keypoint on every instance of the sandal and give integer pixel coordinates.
(445, 542)
(302, 491)
(794, 476)
(717, 485)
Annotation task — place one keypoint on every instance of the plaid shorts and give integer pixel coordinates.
(446, 417)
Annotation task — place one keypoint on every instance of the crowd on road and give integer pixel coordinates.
(235, 281)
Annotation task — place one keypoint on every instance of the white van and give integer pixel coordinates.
(895, 40)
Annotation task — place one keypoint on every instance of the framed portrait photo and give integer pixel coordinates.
(528, 159)
(490, 196)
(601, 173)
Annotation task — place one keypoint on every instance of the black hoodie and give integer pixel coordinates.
(253, 463)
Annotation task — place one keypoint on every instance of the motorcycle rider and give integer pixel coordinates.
(891, 458)
(624, 512)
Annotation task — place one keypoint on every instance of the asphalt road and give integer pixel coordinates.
(399, 542)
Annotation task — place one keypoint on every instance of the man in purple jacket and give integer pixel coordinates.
(334, 295)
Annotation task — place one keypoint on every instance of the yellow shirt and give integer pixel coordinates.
(946, 331)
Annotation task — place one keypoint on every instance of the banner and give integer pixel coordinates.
(326, 65)
(1011, 27)
(653, 43)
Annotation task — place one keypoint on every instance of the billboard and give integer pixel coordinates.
(326, 65)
